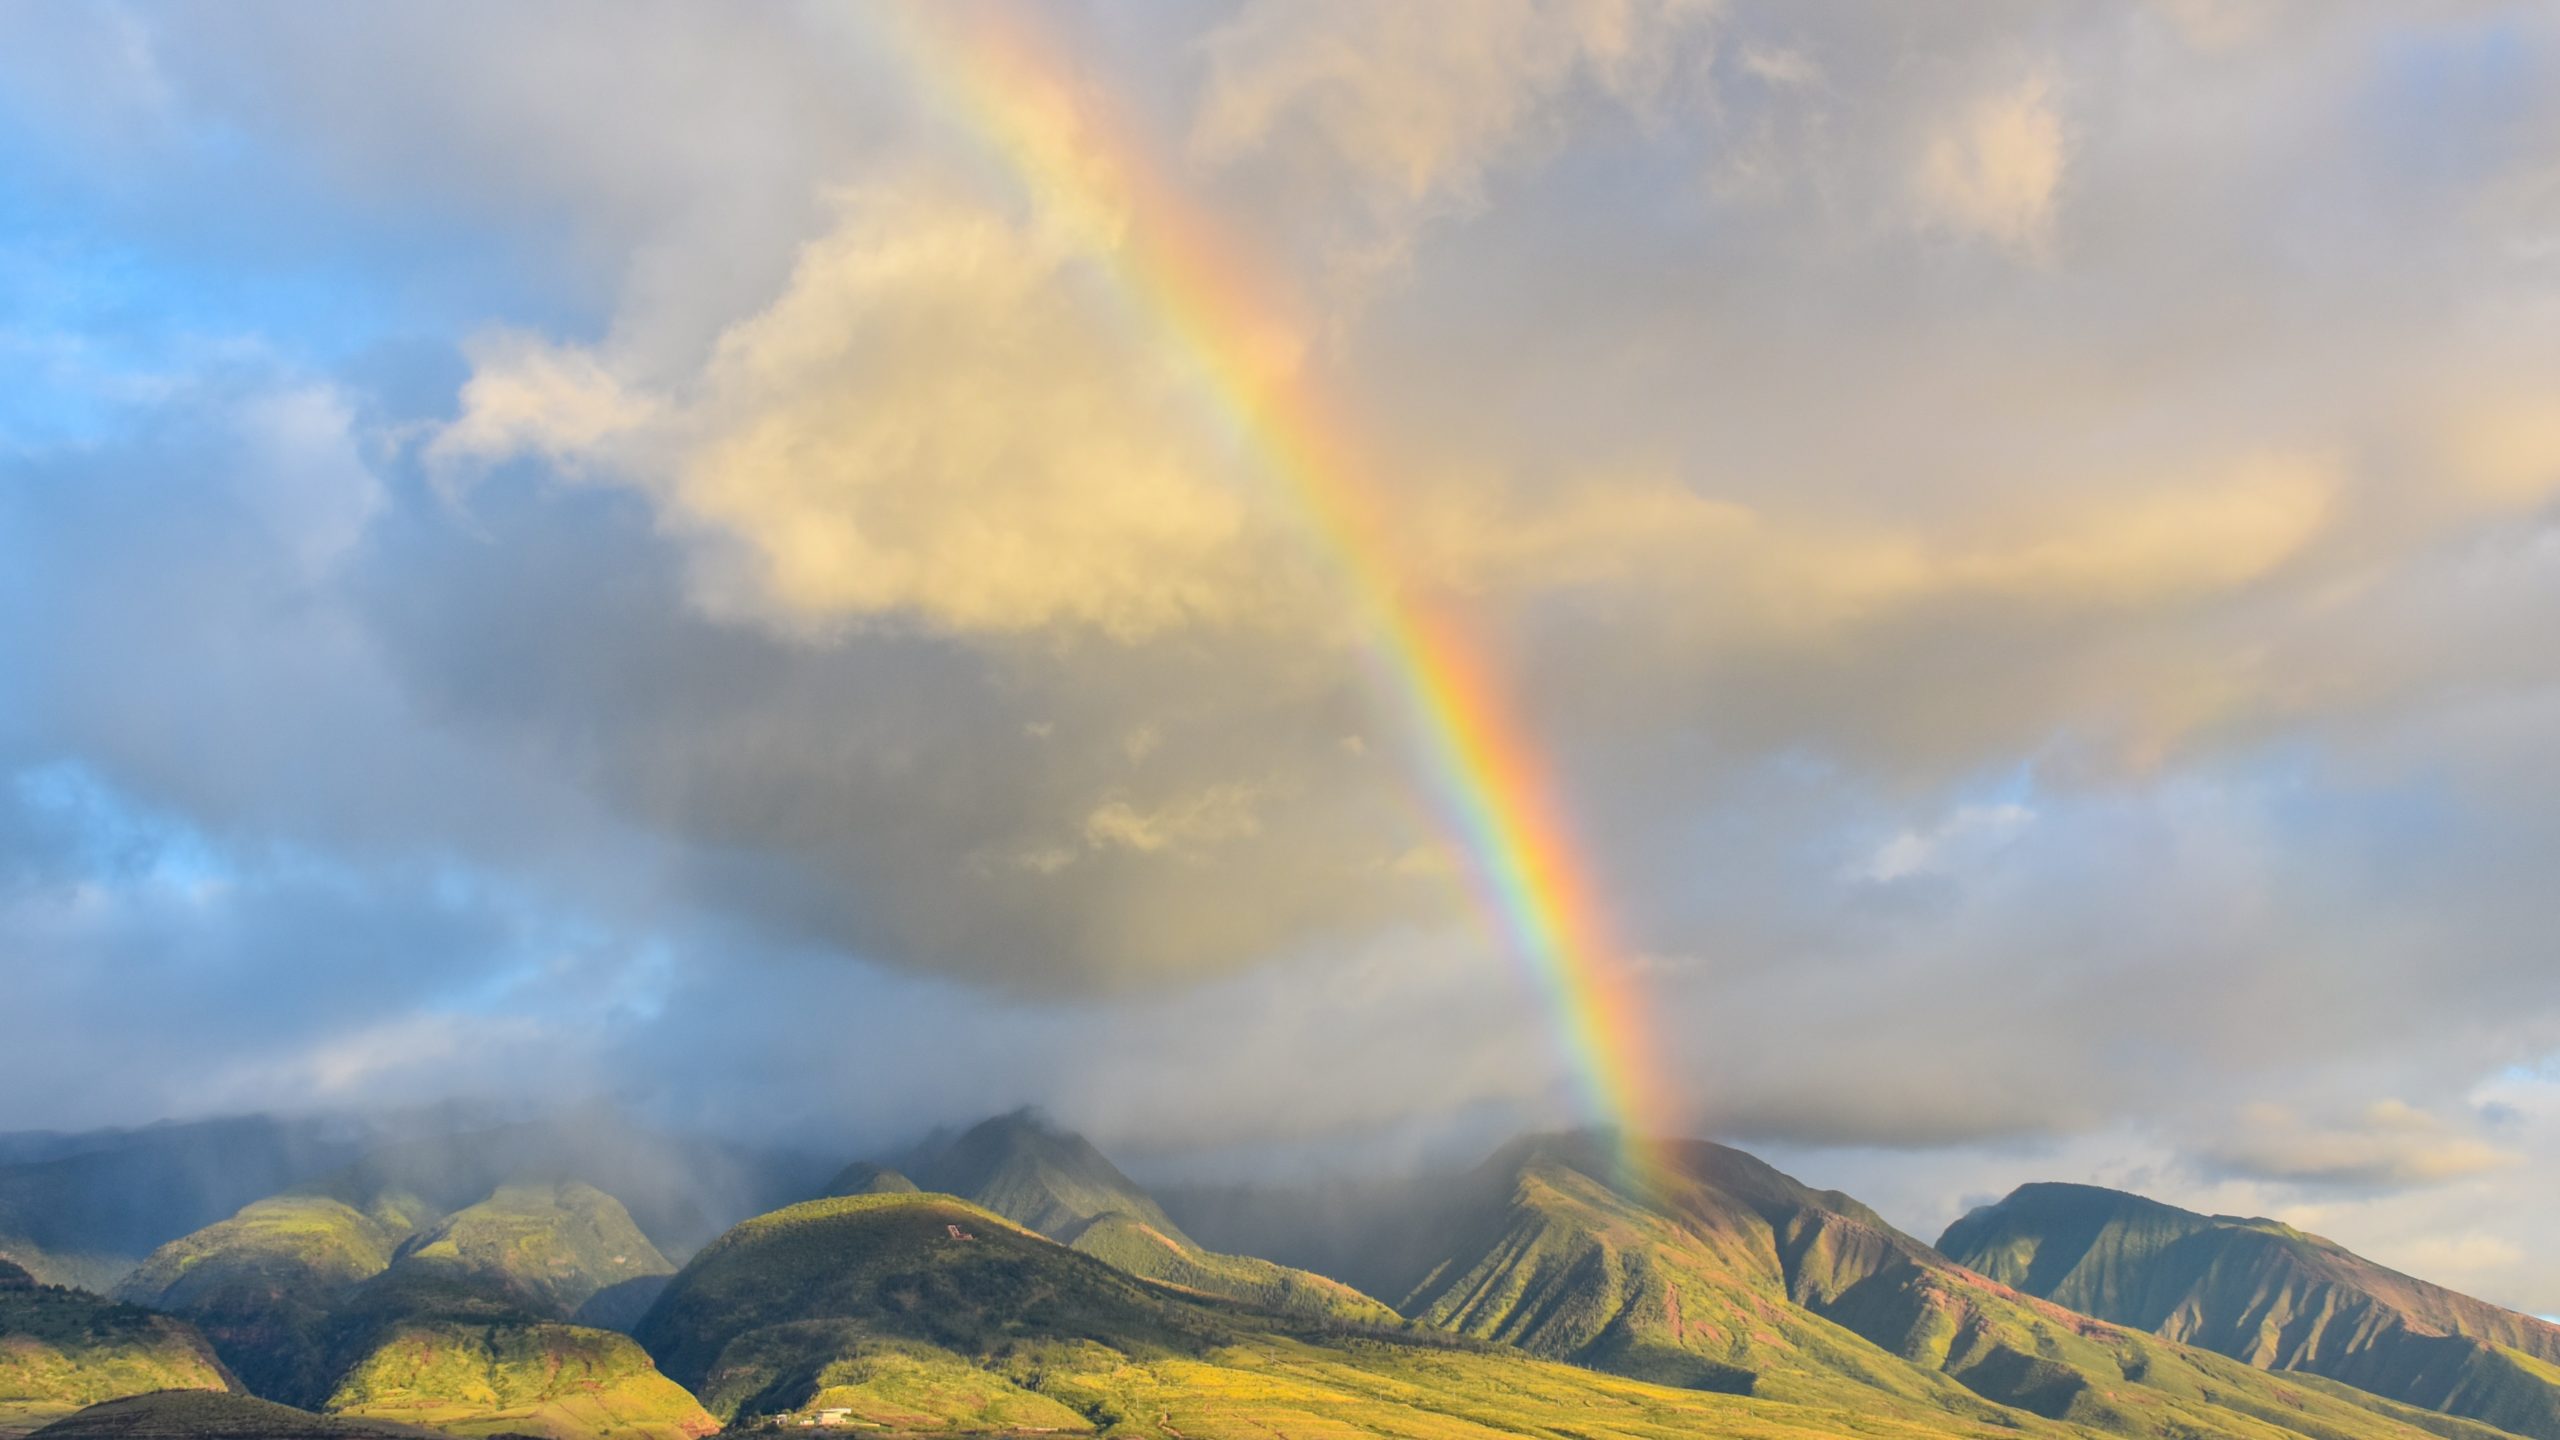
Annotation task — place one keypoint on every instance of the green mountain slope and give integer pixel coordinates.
(547, 1248)
(764, 1308)
(1724, 1273)
(205, 1415)
(62, 1349)
(263, 1284)
(461, 1332)
(480, 1375)
(1141, 1249)
(871, 1304)
(2272, 1296)
(1058, 1184)
(455, 1325)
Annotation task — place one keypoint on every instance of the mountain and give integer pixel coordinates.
(533, 1212)
(865, 1178)
(546, 1247)
(447, 1347)
(61, 1349)
(1036, 1175)
(1058, 1184)
(2270, 1295)
(463, 1330)
(1718, 1271)
(920, 1312)
(207, 1415)
(398, 1311)
(264, 1284)
(779, 1297)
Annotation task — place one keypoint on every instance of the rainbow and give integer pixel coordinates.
(1186, 281)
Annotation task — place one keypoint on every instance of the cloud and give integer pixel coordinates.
(1994, 173)
(2391, 1143)
(1970, 829)
(1417, 111)
(2222, 25)
(2463, 1259)
(526, 395)
(561, 504)
(1224, 812)
(933, 421)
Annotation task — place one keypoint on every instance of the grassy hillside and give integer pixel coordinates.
(888, 1267)
(548, 1248)
(263, 1284)
(204, 1415)
(317, 1303)
(439, 1341)
(61, 1349)
(2272, 1296)
(451, 1349)
(471, 1377)
(1059, 1185)
(1727, 1274)
(871, 1304)
(1141, 1249)
(915, 1387)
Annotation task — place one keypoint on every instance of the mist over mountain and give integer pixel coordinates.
(480, 1281)
(81, 1208)
(1023, 1167)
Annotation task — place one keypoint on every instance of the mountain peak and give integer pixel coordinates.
(865, 1177)
(2264, 1292)
(1034, 1173)
(546, 1246)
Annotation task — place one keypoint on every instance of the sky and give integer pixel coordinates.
(635, 551)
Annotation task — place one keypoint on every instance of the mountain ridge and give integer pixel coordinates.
(1056, 1183)
(2271, 1296)
(1717, 1292)
(1717, 1270)
(62, 1349)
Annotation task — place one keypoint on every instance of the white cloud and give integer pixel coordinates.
(932, 421)
(1219, 813)
(2390, 1143)
(1417, 105)
(1996, 170)
(1971, 832)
